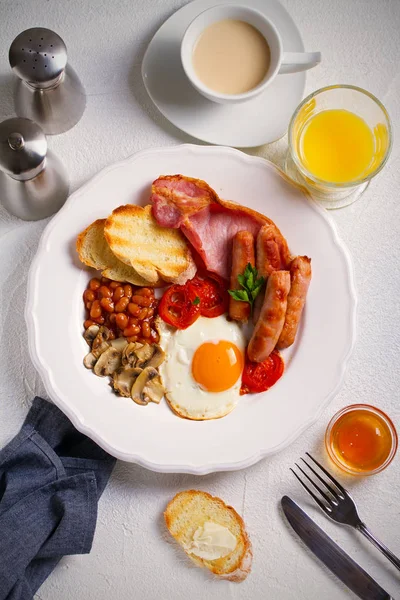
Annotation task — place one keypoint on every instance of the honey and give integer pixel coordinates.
(361, 439)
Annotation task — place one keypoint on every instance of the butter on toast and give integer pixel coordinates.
(188, 511)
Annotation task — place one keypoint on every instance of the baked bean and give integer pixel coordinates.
(141, 300)
(95, 310)
(128, 290)
(118, 293)
(104, 292)
(89, 296)
(146, 292)
(133, 309)
(142, 314)
(99, 320)
(94, 284)
(154, 336)
(123, 308)
(131, 330)
(121, 320)
(111, 335)
(145, 329)
(107, 304)
(121, 305)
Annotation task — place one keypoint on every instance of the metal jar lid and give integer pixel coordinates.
(23, 148)
(38, 56)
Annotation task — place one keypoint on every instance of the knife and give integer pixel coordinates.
(336, 559)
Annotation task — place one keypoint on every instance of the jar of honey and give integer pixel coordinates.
(361, 439)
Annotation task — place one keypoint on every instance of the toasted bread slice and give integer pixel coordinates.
(135, 237)
(189, 510)
(94, 251)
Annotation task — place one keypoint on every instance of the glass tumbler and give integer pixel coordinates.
(361, 439)
(365, 106)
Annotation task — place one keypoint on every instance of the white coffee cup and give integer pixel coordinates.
(280, 61)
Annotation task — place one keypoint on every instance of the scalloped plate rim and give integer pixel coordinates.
(137, 458)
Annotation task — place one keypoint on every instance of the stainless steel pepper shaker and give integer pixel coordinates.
(47, 90)
(33, 182)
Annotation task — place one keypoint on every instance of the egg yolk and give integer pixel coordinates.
(217, 366)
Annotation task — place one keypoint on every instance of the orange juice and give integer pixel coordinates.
(337, 146)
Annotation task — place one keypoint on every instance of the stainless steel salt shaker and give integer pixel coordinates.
(33, 182)
(47, 90)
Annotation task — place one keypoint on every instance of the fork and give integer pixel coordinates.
(337, 503)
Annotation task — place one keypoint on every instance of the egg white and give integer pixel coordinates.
(183, 393)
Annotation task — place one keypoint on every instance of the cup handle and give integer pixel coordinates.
(293, 62)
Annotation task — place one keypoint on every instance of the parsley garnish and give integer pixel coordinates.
(196, 301)
(251, 284)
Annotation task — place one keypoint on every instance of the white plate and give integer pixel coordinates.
(153, 436)
(259, 121)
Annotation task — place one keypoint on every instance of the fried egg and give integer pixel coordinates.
(203, 367)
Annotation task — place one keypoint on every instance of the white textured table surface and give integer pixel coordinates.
(131, 558)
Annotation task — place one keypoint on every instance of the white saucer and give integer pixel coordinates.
(261, 120)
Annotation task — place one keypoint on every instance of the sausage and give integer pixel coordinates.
(272, 255)
(242, 254)
(272, 317)
(300, 273)
(268, 251)
(284, 251)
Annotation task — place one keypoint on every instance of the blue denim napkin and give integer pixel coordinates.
(51, 477)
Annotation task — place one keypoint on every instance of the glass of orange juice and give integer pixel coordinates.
(339, 138)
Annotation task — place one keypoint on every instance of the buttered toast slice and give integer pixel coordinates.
(211, 533)
(94, 251)
(153, 251)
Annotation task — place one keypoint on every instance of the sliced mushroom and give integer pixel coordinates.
(120, 343)
(109, 361)
(90, 333)
(123, 380)
(97, 352)
(149, 355)
(129, 356)
(155, 389)
(158, 357)
(90, 360)
(103, 335)
(100, 343)
(143, 355)
(147, 387)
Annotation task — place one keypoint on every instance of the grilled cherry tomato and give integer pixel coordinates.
(179, 306)
(259, 377)
(212, 291)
